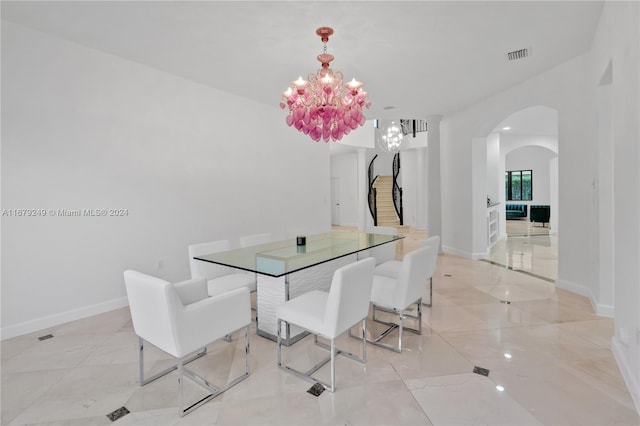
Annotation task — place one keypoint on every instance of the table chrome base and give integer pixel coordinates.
(285, 341)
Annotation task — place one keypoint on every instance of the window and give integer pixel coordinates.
(518, 185)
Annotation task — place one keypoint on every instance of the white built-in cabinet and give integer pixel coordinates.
(493, 229)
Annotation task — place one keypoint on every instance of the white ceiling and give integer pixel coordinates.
(422, 57)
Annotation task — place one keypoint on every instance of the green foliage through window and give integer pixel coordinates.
(519, 185)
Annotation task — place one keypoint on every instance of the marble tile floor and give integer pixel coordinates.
(547, 353)
(527, 248)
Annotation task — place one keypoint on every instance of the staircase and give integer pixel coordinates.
(386, 212)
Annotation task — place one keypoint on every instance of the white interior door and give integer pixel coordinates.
(335, 201)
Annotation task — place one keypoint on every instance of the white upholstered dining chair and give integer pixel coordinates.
(181, 320)
(220, 278)
(330, 314)
(255, 239)
(396, 295)
(391, 268)
(385, 252)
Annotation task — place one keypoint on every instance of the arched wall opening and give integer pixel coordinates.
(523, 139)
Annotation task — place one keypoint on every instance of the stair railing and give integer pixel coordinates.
(413, 126)
(397, 191)
(373, 209)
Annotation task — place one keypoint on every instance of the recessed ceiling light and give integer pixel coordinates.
(389, 107)
(506, 128)
(500, 388)
(507, 356)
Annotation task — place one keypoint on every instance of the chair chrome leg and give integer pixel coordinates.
(185, 373)
(364, 339)
(180, 389)
(213, 390)
(141, 360)
(334, 352)
(156, 376)
(400, 316)
(279, 343)
(333, 365)
(247, 351)
(428, 305)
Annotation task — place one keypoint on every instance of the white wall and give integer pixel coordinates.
(495, 175)
(538, 160)
(345, 167)
(617, 44)
(456, 184)
(83, 129)
(410, 184)
(564, 88)
(383, 165)
(571, 89)
(544, 151)
(434, 204)
(606, 229)
(479, 195)
(363, 137)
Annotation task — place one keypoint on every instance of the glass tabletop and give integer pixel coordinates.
(284, 257)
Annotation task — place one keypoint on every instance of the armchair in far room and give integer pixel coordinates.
(540, 213)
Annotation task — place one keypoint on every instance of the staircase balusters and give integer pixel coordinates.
(373, 193)
(397, 191)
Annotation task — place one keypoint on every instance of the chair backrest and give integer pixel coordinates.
(386, 251)
(349, 296)
(208, 270)
(385, 230)
(412, 278)
(152, 302)
(254, 240)
(434, 244)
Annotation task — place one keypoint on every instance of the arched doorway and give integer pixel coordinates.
(522, 149)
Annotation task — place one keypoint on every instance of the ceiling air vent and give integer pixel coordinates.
(518, 54)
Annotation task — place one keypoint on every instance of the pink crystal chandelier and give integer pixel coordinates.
(321, 107)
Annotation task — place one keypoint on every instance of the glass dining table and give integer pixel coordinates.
(286, 270)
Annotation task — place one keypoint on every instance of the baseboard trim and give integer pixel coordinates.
(632, 382)
(468, 255)
(457, 252)
(478, 256)
(575, 288)
(61, 318)
(605, 310)
(599, 308)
